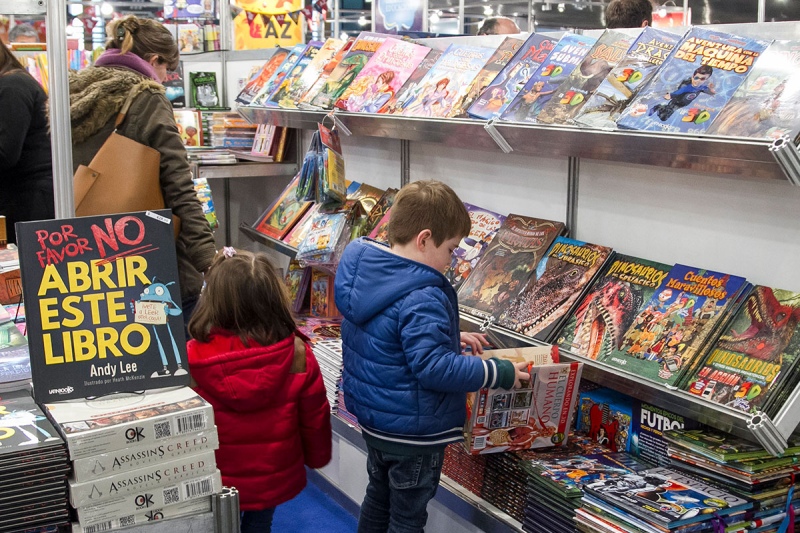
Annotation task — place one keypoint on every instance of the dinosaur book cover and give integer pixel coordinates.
(108, 316)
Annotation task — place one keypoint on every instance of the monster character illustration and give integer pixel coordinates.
(685, 94)
(158, 315)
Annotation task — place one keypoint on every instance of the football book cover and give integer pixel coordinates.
(283, 90)
(311, 72)
(694, 83)
(485, 224)
(262, 96)
(568, 475)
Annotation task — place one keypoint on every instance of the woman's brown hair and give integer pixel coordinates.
(244, 295)
(8, 62)
(145, 38)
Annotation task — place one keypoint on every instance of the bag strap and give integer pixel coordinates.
(126, 106)
(299, 359)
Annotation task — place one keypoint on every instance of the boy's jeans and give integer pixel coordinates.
(400, 487)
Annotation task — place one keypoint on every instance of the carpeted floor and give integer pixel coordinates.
(312, 510)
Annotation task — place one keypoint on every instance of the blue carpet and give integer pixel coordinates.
(313, 510)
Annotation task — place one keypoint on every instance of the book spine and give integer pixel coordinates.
(190, 508)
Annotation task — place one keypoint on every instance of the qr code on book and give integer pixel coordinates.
(125, 521)
(171, 495)
(162, 430)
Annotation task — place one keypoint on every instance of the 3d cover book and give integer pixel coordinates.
(539, 88)
(327, 70)
(260, 79)
(512, 78)
(767, 104)
(694, 83)
(409, 91)
(262, 97)
(284, 212)
(484, 226)
(628, 78)
(311, 72)
(283, 90)
(605, 416)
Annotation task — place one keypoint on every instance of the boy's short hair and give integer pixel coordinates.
(628, 13)
(704, 69)
(431, 205)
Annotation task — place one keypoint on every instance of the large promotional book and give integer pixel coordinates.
(109, 315)
(484, 226)
(694, 83)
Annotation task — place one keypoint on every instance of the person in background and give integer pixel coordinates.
(23, 33)
(26, 172)
(138, 54)
(405, 377)
(629, 14)
(498, 26)
(259, 373)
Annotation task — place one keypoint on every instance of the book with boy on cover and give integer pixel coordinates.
(283, 90)
(572, 94)
(507, 264)
(411, 88)
(627, 79)
(262, 96)
(512, 78)
(260, 79)
(598, 323)
(327, 68)
(694, 83)
(758, 352)
(673, 325)
(485, 224)
(568, 267)
(570, 50)
(448, 80)
(384, 75)
(310, 74)
(767, 104)
(284, 212)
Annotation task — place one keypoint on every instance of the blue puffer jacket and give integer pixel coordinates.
(404, 376)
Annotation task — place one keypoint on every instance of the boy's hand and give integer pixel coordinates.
(521, 373)
(476, 342)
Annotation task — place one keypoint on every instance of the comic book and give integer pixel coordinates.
(348, 68)
(627, 79)
(600, 320)
(484, 226)
(311, 72)
(512, 78)
(262, 96)
(508, 262)
(767, 104)
(448, 80)
(694, 83)
(327, 69)
(409, 91)
(283, 90)
(260, 79)
(572, 94)
(568, 475)
(540, 87)
(284, 212)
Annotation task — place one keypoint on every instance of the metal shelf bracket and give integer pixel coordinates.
(767, 433)
(498, 138)
(337, 123)
(786, 154)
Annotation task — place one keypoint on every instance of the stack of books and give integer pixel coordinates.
(230, 130)
(464, 468)
(15, 363)
(326, 337)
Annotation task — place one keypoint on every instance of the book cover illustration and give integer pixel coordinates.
(380, 208)
(559, 280)
(311, 72)
(567, 54)
(190, 38)
(205, 92)
(448, 80)
(507, 264)
(604, 416)
(298, 232)
(322, 302)
(757, 352)
(297, 280)
(327, 70)
(24, 426)
(628, 78)
(174, 88)
(694, 83)
(110, 316)
(722, 447)
(323, 236)
(485, 224)
(279, 218)
(260, 79)
(409, 91)
(380, 232)
(512, 78)
(348, 68)
(767, 104)
(570, 474)
(599, 322)
(262, 97)
(190, 126)
(15, 361)
(672, 325)
(649, 423)
(383, 76)
(283, 90)
(572, 94)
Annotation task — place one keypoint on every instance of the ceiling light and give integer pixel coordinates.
(362, 20)
(106, 9)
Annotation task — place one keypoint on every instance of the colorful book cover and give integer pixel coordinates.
(722, 447)
(561, 277)
(283, 90)
(311, 72)
(296, 235)
(409, 91)
(572, 94)
(260, 79)
(484, 226)
(25, 427)
(758, 351)
(323, 235)
(327, 69)
(568, 475)
(540, 87)
(767, 104)
(322, 302)
(507, 264)
(174, 87)
(380, 208)
(599, 322)
(190, 126)
(512, 78)
(666, 335)
(448, 80)
(647, 431)
(348, 68)
(297, 280)
(384, 75)
(628, 78)
(190, 38)
(279, 218)
(380, 232)
(605, 416)
(262, 97)
(694, 83)
(204, 90)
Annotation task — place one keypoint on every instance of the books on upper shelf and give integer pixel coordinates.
(190, 38)
(484, 225)
(284, 88)
(284, 212)
(694, 83)
(327, 69)
(311, 72)
(260, 79)
(722, 447)
(411, 87)
(262, 96)
(174, 87)
(190, 126)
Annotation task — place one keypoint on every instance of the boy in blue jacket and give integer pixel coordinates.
(405, 378)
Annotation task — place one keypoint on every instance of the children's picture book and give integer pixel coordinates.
(380, 208)
(382, 76)
(174, 88)
(508, 262)
(310, 74)
(284, 212)
(380, 232)
(322, 239)
(566, 270)
(203, 190)
(298, 232)
(767, 104)
(283, 90)
(327, 69)
(348, 68)
(204, 90)
(484, 226)
(448, 80)
(512, 78)
(572, 94)
(260, 79)
(409, 91)
(190, 38)
(322, 302)
(628, 78)
(694, 83)
(539, 88)
(189, 126)
(297, 281)
(597, 325)
(262, 96)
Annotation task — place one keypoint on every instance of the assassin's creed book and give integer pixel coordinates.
(484, 226)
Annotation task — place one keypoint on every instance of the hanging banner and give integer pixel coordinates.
(295, 16)
(392, 16)
(279, 19)
(265, 31)
(308, 13)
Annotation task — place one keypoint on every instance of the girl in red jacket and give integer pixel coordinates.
(250, 363)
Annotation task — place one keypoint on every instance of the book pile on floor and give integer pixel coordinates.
(138, 456)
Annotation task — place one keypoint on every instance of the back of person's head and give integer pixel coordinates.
(629, 14)
(430, 205)
(498, 26)
(23, 33)
(145, 38)
(8, 62)
(244, 295)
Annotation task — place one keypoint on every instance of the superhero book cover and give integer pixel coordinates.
(484, 226)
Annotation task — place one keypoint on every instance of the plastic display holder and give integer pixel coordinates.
(337, 123)
(498, 138)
